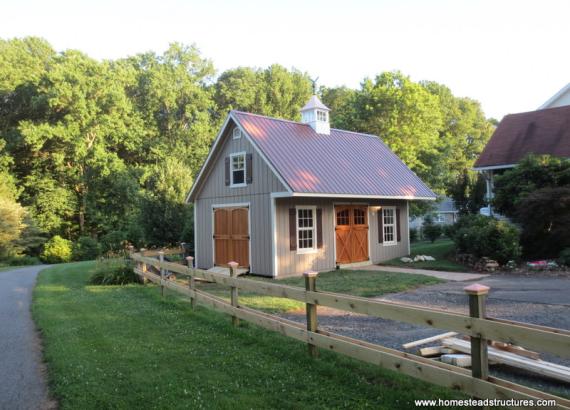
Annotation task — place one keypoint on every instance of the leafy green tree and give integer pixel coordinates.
(531, 174)
(468, 192)
(545, 218)
(86, 249)
(341, 101)
(404, 114)
(11, 216)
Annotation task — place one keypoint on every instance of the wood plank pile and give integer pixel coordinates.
(457, 351)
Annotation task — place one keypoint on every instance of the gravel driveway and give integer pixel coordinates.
(22, 381)
(540, 300)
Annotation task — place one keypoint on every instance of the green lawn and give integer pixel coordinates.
(128, 348)
(352, 282)
(442, 250)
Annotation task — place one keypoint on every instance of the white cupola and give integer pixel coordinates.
(316, 114)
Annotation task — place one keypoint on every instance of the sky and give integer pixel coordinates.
(509, 55)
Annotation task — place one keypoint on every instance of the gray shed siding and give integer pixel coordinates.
(290, 262)
(213, 191)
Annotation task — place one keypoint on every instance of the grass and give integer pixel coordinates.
(442, 250)
(352, 282)
(125, 347)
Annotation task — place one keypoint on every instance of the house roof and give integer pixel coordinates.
(555, 97)
(537, 132)
(447, 205)
(343, 163)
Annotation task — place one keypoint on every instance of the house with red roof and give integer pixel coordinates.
(283, 197)
(541, 132)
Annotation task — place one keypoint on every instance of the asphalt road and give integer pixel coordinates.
(22, 380)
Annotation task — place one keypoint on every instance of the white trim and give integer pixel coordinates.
(233, 205)
(274, 259)
(320, 195)
(314, 249)
(555, 97)
(232, 156)
(394, 241)
(236, 135)
(491, 167)
(195, 236)
(408, 224)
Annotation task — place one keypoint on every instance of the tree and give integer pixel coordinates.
(11, 216)
(531, 174)
(468, 192)
(274, 91)
(462, 136)
(545, 218)
(404, 115)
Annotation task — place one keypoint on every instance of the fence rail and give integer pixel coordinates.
(480, 329)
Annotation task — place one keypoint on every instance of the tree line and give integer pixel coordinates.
(108, 149)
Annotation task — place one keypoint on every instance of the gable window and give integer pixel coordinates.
(236, 133)
(389, 225)
(237, 170)
(321, 116)
(306, 235)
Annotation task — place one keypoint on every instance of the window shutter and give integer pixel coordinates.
(227, 171)
(380, 226)
(398, 233)
(292, 229)
(249, 168)
(319, 228)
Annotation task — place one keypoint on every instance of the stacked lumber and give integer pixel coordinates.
(453, 350)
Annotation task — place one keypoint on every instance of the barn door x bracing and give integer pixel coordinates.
(351, 233)
(231, 236)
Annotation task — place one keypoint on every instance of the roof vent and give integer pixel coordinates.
(316, 114)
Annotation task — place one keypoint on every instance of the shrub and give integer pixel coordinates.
(432, 232)
(86, 249)
(114, 241)
(113, 271)
(24, 260)
(564, 258)
(413, 234)
(57, 250)
(484, 236)
(545, 219)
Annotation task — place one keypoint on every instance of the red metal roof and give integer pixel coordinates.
(538, 132)
(344, 162)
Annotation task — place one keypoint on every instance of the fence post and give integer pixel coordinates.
(183, 249)
(234, 290)
(162, 272)
(479, 349)
(143, 267)
(312, 324)
(192, 283)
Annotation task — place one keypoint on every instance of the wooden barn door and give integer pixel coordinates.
(231, 236)
(351, 233)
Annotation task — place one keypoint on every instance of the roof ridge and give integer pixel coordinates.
(562, 107)
(364, 134)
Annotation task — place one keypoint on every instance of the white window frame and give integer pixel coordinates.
(324, 114)
(439, 218)
(394, 226)
(236, 133)
(244, 183)
(313, 209)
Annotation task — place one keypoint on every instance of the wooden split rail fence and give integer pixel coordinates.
(477, 382)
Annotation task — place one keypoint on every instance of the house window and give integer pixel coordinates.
(306, 229)
(389, 225)
(321, 116)
(342, 217)
(237, 169)
(440, 218)
(359, 217)
(236, 133)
